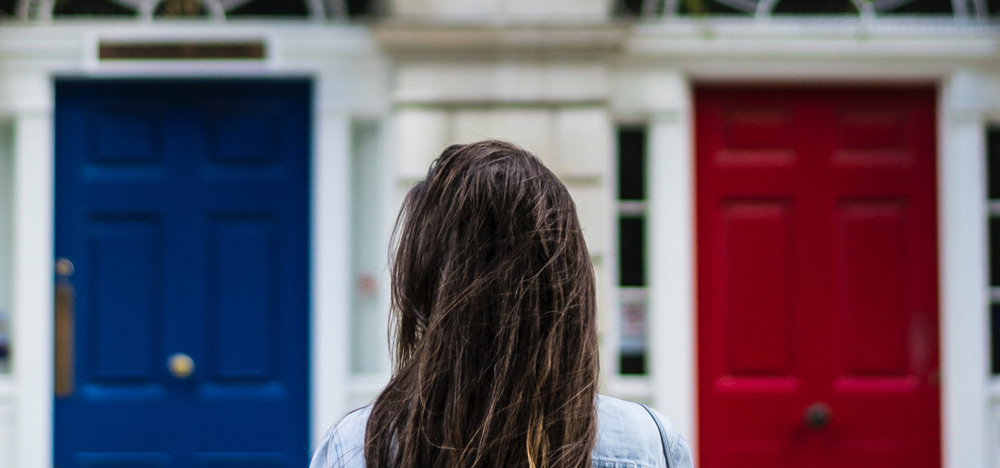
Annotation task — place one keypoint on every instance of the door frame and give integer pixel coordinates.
(966, 103)
(350, 83)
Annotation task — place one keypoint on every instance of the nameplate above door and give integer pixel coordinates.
(181, 50)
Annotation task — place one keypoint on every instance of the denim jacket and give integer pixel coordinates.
(627, 437)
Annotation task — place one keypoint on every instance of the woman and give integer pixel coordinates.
(495, 334)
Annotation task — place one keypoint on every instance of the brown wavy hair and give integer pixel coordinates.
(494, 312)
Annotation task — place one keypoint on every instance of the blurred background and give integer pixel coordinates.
(790, 204)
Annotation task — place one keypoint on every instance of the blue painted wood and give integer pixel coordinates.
(184, 206)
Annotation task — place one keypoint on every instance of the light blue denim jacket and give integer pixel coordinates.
(627, 437)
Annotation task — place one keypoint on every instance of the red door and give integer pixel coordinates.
(817, 278)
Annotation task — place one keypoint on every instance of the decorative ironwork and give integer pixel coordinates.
(866, 9)
(320, 10)
(216, 9)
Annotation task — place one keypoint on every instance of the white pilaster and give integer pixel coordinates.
(964, 311)
(31, 308)
(671, 258)
(331, 276)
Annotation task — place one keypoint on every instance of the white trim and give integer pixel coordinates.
(350, 79)
(966, 99)
(671, 261)
(964, 305)
(331, 262)
(31, 310)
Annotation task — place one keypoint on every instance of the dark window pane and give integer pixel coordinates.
(924, 7)
(628, 7)
(632, 364)
(180, 8)
(4, 344)
(632, 251)
(6, 8)
(356, 8)
(815, 7)
(704, 7)
(271, 8)
(91, 8)
(632, 163)
(686, 7)
(297, 8)
(995, 251)
(993, 160)
(995, 338)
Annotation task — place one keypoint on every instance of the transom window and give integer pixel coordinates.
(763, 8)
(216, 9)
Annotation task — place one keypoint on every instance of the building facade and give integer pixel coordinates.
(790, 205)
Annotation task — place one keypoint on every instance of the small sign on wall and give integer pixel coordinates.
(4, 342)
(633, 325)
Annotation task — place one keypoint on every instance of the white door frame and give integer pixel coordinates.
(665, 64)
(350, 81)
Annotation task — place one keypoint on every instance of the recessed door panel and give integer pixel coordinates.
(760, 338)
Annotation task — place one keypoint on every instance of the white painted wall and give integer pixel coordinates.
(6, 423)
(554, 108)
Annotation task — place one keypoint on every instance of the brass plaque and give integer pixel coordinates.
(64, 339)
(120, 51)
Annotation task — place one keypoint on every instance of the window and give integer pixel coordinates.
(993, 192)
(632, 280)
(304, 9)
(803, 7)
(6, 155)
(6, 9)
(369, 236)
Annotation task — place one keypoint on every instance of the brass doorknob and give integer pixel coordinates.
(64, 267)
(817, 415)
(181, 365)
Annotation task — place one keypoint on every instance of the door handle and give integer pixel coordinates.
(817, 416)
(181, 365)
(64, 329)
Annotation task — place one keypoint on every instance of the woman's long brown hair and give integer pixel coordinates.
(495, 328)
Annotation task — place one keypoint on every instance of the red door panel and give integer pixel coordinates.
(817, 277)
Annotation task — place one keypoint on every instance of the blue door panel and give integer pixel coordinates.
(120, 460)
(243, 277)
(184, 208)
(245, 460)
(125, 330)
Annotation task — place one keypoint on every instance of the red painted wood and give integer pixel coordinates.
(817, 277)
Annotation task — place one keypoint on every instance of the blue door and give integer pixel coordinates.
(182, 207)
